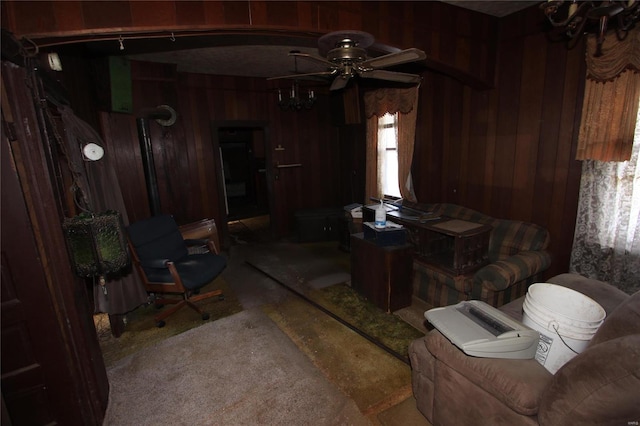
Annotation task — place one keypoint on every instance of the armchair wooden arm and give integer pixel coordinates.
(204, 229)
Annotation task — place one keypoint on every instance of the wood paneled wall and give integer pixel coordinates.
(186, 155)
(508, 151)
(498, 112)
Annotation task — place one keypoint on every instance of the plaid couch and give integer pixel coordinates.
(517, 257)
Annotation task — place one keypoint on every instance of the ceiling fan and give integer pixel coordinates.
(346, 57)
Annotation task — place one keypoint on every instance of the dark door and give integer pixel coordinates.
(52, 372)
(244, 169)
(30, 335)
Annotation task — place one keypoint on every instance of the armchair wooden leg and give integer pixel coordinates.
(160, 302)
(195, 298)
(199, 297)
(177, 305)
(180, 303)
(203, 314)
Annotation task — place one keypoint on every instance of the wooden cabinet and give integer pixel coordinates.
(382, 274)
(318, 224)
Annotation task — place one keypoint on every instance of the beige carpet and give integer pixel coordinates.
(239, 370)
(141, 331)
(373, 386)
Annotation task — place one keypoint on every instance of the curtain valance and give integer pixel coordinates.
(381, 101)
(612, 93)
(378, 103)
(617, 56)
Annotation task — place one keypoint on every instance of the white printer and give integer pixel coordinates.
(481, 330)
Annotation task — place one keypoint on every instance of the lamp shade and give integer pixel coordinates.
(96, 243)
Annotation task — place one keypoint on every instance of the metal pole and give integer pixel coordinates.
(148, 165)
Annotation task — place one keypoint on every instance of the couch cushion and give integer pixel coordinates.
(518, 383)
(464, 213)
(502, 274)
(510, 237)
(624, 320)
(598, 386)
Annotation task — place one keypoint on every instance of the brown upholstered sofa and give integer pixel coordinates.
(601, 385)
(517, 257)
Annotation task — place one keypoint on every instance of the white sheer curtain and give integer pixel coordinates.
(607, 236)
(388, 155)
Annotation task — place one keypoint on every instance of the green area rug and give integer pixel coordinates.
(351, 307)
(320, 274)
(370, 376)
(141, 331)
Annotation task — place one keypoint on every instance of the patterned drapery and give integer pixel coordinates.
(378, 103)
(606, 243)
(607, 237)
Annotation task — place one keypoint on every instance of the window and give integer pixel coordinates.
(388, 155)
(390, 140)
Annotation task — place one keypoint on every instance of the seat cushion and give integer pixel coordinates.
(196, 270)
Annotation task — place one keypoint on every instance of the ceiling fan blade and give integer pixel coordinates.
(400, 77)
(340, 82)
(309, 74)
(313, 58)
(402, 57)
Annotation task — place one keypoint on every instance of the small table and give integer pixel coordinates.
(382, 274)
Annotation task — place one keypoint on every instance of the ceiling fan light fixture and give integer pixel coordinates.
(295, 102)
(346, 58)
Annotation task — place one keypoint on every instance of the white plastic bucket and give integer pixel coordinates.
(573, 307)
(565, 319)
(540, 312)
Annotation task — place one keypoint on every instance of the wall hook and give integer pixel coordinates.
(172, 38)
(121, 41)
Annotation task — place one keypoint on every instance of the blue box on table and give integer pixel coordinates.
(391, 235)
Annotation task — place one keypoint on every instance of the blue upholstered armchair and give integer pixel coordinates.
(169, 263)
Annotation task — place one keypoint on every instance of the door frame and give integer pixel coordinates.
(215, 136)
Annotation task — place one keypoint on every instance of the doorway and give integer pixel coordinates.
(242, 154)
